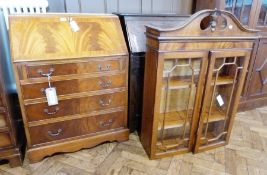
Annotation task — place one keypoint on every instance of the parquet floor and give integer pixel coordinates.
(245, 155)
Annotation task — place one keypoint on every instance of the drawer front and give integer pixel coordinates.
(90, 66)
(31, 91)
(73, 106)
(3, 122)
(5, 140)
(77, 127)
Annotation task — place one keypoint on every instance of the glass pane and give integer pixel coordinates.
(262, 17)
(246, 8)
(180, 77)
(221, 99)
(228, 5)
(240, 8)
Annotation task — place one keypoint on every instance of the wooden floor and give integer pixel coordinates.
(246, 154)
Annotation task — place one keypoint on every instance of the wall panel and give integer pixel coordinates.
(122, 6)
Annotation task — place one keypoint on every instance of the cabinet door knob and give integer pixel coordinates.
(51, 70)
(105, 68)
(53, 134)
(105, 84)
(106, 124)
(51, 113)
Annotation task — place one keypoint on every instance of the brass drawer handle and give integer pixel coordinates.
(106, 124)
(51, 70)
(102, 103)
(105, 84)
(107, 68)
(51, 113)
(59, 131)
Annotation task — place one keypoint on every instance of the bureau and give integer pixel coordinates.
(11, 131)
(85, 59)
(194, 75)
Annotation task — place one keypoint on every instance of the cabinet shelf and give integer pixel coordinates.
(171, 143)
(223, 80)
(186, 83)
(176, 119)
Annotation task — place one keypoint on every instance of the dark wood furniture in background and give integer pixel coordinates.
(253, 14)
(194, 74)
(11, 133)
(133, 26)
(87, 60)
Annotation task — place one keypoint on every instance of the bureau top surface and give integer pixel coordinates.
(134, 25)
(63, 36)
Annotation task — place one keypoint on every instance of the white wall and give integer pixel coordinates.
(121, 6)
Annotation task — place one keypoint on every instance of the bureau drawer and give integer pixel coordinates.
(82, 105)
(77, 127)
(64, 87)
(3, 122)
(83, 67)
(5, 140)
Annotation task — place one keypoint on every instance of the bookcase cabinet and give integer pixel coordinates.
(194, 75)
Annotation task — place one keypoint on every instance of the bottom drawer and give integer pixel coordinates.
(5, 140)
(76, 127)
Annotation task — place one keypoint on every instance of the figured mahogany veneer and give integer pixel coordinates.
(88, 68)
(5, 140)
(76, 127)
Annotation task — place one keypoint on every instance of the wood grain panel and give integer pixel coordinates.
(5, 140)
(3, 122)
(205, 45)
(50, 38)
(78, 127)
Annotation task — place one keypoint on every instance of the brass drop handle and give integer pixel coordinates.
(51, 70)
(102, 103)
(105, 84)
(106, 124)
(51, 113)
(54, 134)
(105, 68)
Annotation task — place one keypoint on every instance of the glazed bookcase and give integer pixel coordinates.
(194, 75)
(252, 14)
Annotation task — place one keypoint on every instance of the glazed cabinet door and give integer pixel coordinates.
(179, 90)
(242, 9)
(258, 82)
(225, 79)
(261, 16)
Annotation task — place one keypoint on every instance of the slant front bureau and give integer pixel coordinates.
(84, 59)
(194, 75)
